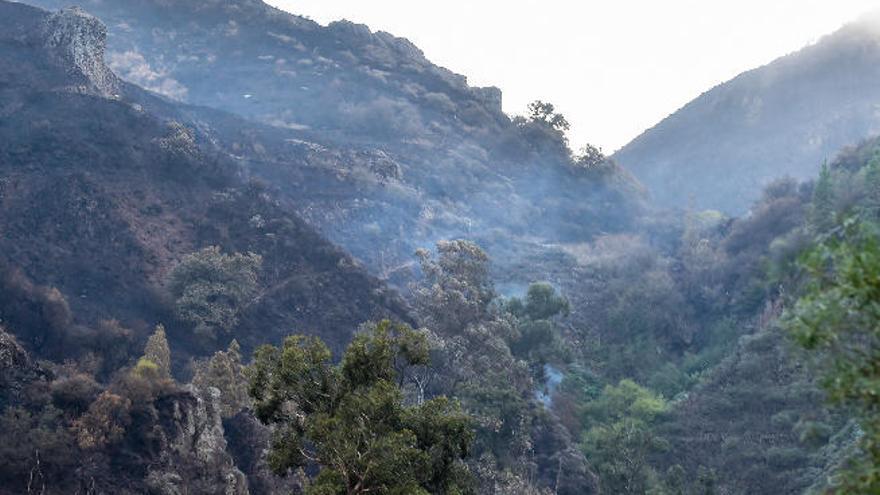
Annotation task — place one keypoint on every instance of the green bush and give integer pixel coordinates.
(211, 288)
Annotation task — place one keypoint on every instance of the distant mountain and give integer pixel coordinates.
(380, 149)
(782, 119)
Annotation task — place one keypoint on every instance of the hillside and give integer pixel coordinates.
(176, 316)
(783, 119)
(100, 199)
(365, 136)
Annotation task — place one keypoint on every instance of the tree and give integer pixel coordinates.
(457, 289)
(158, 352)
(211, 288)
(838, 319)
(105, 422)
(620, 438)
(225, 372)
(351, 421)
(537, 338)
(541, 303)
(590, 157)
(872, 185)
(822, 208)
(545, 113)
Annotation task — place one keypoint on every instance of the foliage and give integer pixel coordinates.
(545, 113)
(158, 352)
(538, 338)
(457, 288)
(620, 439)
(210, 288)
(41, 314)
(838, 318)
(590, 157)
(225, 372)
(476, 362)
(350, 419)
(105, 422)
(872, 185)
(34, 443)
(822, 207)
(541, 303)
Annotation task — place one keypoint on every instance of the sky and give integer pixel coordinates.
(614, 68)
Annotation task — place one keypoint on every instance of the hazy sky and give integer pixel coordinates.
(615, 67)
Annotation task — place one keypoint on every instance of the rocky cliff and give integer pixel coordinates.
(76, 40)
(192, 453)
(17, 370)
(187, 451)
(70, 43)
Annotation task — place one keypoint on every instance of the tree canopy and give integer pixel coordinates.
(838, 319)
(350, 419)
(210, 288)
(545, 113)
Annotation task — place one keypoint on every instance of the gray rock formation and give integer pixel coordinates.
(17, 369)
(76, 40)
(249, 442)
(194, 457)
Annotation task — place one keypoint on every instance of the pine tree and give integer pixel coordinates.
(872, 185)
(158, 352)
(225, 372)
(822, 209)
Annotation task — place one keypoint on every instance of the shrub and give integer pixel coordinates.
(211, 288)
(225, 372)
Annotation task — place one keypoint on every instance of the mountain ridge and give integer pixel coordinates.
(783, 118)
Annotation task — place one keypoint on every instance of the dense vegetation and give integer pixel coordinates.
(170, 324)
(351, 420)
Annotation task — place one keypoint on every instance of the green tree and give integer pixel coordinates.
(545, 113)
(620, 438)
(225, 372)
(591, 157)
(822, 207)
(537, 338)
(541, 303)
(158, 352)
(351, 420)
(211, 288)
(838, 319)
(872, 185)
(457, 290)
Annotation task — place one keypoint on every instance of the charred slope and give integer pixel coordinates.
(99, 198)
(380, 149)
(782, 119)
(185, 448)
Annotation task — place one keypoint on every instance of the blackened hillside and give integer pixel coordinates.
(100, 198)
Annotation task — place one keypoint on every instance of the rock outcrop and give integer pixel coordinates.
(249, 441)
(17, 369)
(193, 456)
(76, 40)
(60, 51)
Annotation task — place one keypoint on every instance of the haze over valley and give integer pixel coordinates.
(245, 252)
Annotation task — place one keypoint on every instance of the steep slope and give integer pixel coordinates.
(782, 119)
(101, 198)
(381, 150)
(188, 451)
